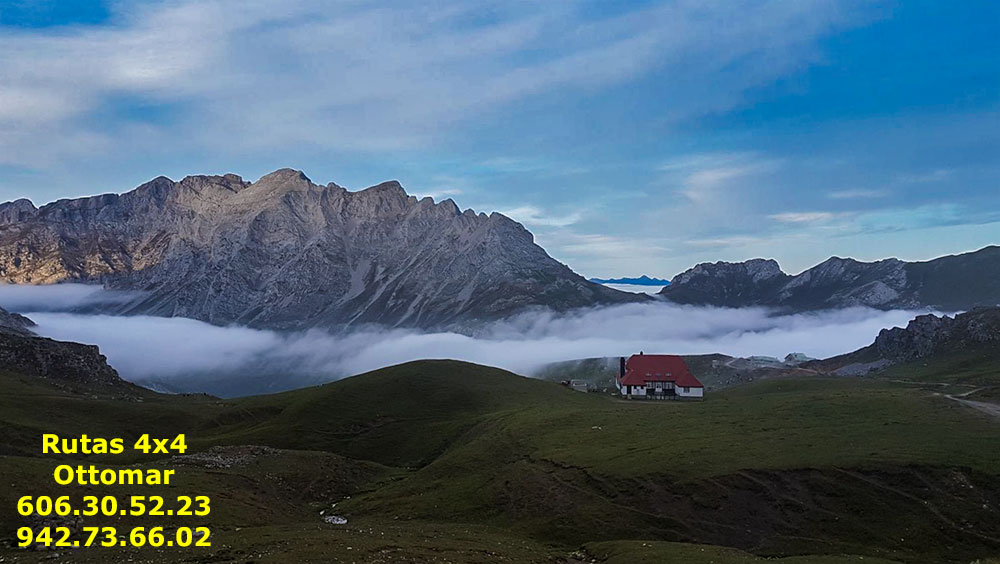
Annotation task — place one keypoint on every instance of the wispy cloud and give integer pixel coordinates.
(857, 194)
(725, 242)
(707, 178)
(531, 215)
(936, 175)
(354, 76)
(61, 297)
(802, 217)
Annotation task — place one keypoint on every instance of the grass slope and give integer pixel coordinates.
(439, 461)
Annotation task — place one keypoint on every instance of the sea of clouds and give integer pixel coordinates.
(179, 354)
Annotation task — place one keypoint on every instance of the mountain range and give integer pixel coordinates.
(951, 283)
(284, 252)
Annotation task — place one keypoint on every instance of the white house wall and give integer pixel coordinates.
(641, 391)
(691, 393)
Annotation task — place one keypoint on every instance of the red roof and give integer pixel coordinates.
(642, 368)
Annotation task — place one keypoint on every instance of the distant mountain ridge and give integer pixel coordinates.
(640, 281)
(951, 283)
(284, 252)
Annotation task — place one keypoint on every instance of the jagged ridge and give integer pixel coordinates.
(948, 283)
(284, 252)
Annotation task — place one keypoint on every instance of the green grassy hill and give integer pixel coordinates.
(439, 461)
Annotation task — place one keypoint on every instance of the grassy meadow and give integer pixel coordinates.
(444, 461)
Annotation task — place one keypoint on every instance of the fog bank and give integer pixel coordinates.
(22, 298)
(179, 354)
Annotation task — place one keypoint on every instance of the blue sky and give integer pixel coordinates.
(631, 138)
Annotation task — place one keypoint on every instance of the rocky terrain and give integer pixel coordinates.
(975, 333)
(950, 283)
(64, 364)
(15, 324)
(929, 334)
(284, 252)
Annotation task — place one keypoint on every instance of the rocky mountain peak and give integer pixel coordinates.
(763, 269)
(728, 284)
(755, 270)
(18, 210)
(283, 252)
(157, 189)
(279, 182)
(450, 205)
(389, 190)
(285, 176)
(392, 186)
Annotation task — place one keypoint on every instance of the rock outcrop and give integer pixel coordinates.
(284, 252)
(924, 337)
(929, 334)
(15, 323)
(64, 364)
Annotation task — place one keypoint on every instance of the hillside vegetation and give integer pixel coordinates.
(444, 461)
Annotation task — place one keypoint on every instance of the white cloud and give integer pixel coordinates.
(531, 215)
(190, 355)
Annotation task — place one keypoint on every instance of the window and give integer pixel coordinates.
(686, 389)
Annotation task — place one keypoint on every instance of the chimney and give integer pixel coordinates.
(621, 370)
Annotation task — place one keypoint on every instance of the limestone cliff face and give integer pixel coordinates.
(284, 252)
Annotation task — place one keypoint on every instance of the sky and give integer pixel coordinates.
(630, 137)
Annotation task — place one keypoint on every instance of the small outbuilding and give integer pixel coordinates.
(657, 376)
(797, 358)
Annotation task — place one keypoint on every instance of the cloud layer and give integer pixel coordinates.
(60, 297)
(357, 76)
(180, 354)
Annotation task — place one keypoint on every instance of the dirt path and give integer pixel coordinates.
(984, 406)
